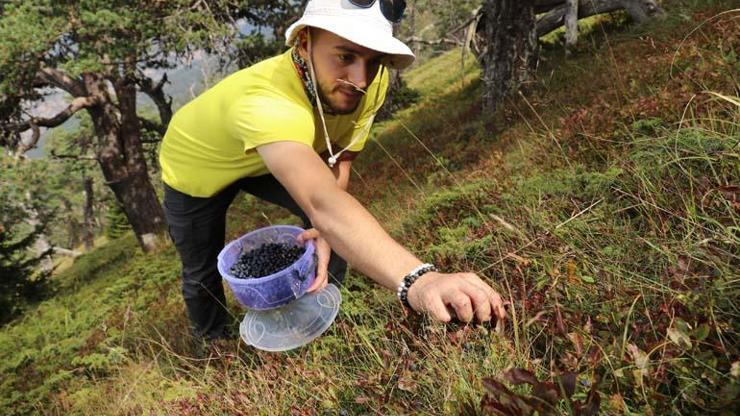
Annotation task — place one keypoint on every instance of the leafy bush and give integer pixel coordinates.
(399, 96)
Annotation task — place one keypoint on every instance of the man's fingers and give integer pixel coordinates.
(462, 305)
(309, 234)
(497, 304)
(437, 309)
(481, 302)
(465, 297)
(320, 281)
(323, 251)
(495, 300)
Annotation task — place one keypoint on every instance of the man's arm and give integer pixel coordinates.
(350, 230)
(357, 236)
(341, 172)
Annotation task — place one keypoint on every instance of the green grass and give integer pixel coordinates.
(603, 207)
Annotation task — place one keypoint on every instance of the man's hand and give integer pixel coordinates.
(464, 293)
(323, 251)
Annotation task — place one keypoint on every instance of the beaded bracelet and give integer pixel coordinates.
(409, 279)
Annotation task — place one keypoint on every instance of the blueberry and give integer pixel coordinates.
(265, 260)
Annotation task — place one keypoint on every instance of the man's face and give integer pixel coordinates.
(336, 58)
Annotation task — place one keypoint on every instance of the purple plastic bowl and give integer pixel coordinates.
(277, 289)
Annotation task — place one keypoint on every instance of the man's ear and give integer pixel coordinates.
(302, 42)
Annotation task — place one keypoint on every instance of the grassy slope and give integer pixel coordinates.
(602, 206)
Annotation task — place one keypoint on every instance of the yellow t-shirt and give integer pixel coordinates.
(211, 141)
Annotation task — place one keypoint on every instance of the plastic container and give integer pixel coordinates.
(293, 325)
(275, 290)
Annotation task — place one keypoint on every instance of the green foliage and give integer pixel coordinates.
(21, 281)
(647, 126)
(46, 47)
(27, 31)
(459, 242)
(268, 21)
(400, 96)
(255, 47)
(435, 19)
(100, 363)
(70, 157)
(56, 186)
(99, 36)
(77, 336)
(437, 207)
(449, 14)
(116, 222)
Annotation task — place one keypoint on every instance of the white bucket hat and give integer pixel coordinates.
(364, 26)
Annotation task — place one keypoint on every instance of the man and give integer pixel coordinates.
(262, 130)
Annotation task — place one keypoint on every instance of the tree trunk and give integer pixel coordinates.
(73, 226)
(88, 234)
(411, 23)
(571, 25)
(41, 246)
(510, 48)
(122, 159)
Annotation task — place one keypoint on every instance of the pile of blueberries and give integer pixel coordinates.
(265, 260)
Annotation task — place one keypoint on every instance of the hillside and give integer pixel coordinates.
(602, 203)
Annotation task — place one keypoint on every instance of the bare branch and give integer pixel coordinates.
(475, 15)
(55, 155)
(149, 125)
(59, 79)
(416, 39)
(156, 93)
(23, 147)
(76, 105)
(34, 123)
(150, 141)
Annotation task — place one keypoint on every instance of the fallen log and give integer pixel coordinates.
(552, 13)
(639, 11)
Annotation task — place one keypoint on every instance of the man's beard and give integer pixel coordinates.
(328, 105)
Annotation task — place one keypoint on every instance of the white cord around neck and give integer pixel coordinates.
(332, 159)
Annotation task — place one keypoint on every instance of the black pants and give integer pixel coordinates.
(197, 227)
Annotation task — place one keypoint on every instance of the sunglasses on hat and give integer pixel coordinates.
(391, 9)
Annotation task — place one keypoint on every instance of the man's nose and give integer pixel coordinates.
(358, 74)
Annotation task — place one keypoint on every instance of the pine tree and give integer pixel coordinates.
(116, 223)
(20, 280)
